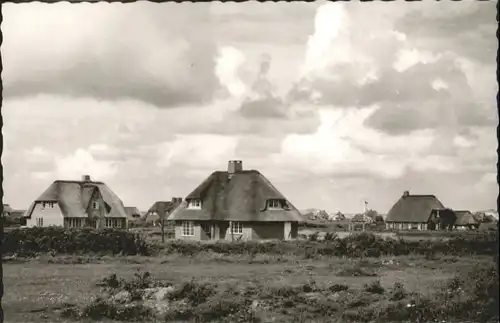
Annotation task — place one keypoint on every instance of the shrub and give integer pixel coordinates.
(331, 236)
(57, 240)
(374, 287)
(338, 288)
(100, 308)
(398, 292)
(314, 236)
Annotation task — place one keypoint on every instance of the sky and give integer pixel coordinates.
(335, 103)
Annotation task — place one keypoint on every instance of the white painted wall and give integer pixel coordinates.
(51, 216)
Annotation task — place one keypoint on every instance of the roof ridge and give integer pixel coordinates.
(77, 182)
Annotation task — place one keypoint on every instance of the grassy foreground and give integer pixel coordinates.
(213, 287)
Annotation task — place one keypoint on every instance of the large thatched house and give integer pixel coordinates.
(236, 204)
(419, 212)
(71, 204)
(465, 220)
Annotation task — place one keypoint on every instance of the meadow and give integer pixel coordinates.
(130, 279)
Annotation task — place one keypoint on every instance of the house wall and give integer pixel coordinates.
(51, 216)
(268, 230)
(406, 226)
(197, 232)
(251, 231)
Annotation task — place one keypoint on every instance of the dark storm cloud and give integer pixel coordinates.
(146, 55)
(466, 29)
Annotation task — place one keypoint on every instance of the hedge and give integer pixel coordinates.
(30, 241)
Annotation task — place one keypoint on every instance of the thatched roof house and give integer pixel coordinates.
(243, 201)
(7, 210)
(161, 208)
(465, 219)
(414, 211)
(77, 204)
(132, 212)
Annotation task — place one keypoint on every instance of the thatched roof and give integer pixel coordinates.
(7, 208)
(240, 196)
(414, 208)
(465, 218)
(361, 218)
(74, 198)
(160, 208)
(132, 211)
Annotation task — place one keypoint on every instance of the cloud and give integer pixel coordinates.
(197, 151)
(82, 162)
(262, 103)
(98, 53)
(418, 86)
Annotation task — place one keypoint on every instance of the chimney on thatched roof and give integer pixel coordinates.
(86, 178)
(406, 193)
(234, 166)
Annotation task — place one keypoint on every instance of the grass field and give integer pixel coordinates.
(35, 289)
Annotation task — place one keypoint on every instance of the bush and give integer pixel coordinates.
(100, 308)
(57, 240)
(398, 292)
(31, 241)
(374, 287)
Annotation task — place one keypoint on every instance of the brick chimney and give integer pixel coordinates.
(406, 193)
(234, 166)
(86, 178)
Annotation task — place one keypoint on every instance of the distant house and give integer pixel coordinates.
(132, 212)
(159, 209)
(77, 204)
(418, 212)
(7, 210)
(236, 204)
(465, 220)
(361, 219)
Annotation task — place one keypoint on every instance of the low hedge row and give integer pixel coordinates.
(355, 245)
(30, 241)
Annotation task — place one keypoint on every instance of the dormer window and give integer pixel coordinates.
(48, 205)
(95, 205)
(274, 204)
(194, 204)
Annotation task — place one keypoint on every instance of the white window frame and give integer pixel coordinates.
(274, 204)
(95, 205)
(194, 204)
(108, 223)
(236, 228)
(187, 228)
(39, 222)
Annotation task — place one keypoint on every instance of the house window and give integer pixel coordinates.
(274, 204)
(47, 205)
(95, 205)
(194, 204)
(39, 222)
(187, 228)
(111, 223)
(237, 228)
(74, 222)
